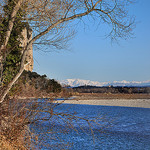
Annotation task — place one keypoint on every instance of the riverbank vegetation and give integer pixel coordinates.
(107, 96)
(31, 84)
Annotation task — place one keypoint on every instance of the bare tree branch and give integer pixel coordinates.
(53, 16)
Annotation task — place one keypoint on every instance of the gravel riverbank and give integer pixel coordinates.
(145, 103)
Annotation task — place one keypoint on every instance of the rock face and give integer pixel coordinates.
(27, 36)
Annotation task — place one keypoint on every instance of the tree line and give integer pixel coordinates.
(111, 89)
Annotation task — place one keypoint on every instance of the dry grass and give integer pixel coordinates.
(111, 96)
(8, 145)
(13, 129)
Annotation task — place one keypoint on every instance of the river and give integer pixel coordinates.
(120, 128)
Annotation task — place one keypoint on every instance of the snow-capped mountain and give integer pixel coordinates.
(80, 82)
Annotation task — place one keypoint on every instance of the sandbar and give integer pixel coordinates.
(144, 103)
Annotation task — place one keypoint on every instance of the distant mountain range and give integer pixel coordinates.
(80, 82)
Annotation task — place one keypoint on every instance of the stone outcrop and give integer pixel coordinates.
(27, 36)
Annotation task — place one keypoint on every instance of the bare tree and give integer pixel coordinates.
(57, 122)
(50, 18)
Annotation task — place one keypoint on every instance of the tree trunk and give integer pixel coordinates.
(22, 65)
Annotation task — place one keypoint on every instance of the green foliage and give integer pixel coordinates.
(13, 52)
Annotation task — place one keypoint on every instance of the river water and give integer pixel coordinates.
(119, 128)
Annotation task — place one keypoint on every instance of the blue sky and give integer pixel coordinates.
(92, 57)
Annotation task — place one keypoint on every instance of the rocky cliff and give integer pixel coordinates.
(27, 36)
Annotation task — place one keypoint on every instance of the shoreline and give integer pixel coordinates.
(143, 103)
(123, 100)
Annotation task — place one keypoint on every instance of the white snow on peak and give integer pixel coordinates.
(80, 82)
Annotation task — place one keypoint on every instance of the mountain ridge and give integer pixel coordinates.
(81, 82)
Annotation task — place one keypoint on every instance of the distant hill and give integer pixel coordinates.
(80, 82)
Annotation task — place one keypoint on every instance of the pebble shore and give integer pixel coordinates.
(144, 103)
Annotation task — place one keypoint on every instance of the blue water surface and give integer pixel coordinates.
(120, 128)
